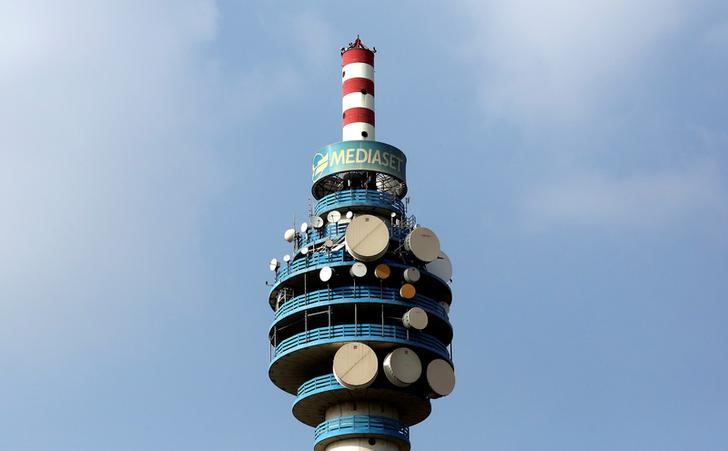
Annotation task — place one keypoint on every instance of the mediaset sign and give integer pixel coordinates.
(359, 156)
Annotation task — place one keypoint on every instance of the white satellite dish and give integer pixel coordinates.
(402, 367)
(349, 214)
(441, 267)
(286, 258)
(367, 238)
(333, 217)
(317, 222)
(358, 269)
(411, 275)
(289, 235)
(329, 244)
(304, 250)
(423, 243)
(326, 274)
(273, 265)
(304, 227)
(355, 365)
(415, 318)
(440, 377)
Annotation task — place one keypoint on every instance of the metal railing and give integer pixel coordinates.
(363, 425)
(325, 382)
(335, 232)
(366, 332)
(313, 260)
(359, 197)
(361, 294)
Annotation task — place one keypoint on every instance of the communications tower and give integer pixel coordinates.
(361, 334)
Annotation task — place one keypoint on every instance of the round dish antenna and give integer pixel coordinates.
(333, 217)
(407, 291)
(289, 235)
(326, 274)
(423, 244)
(441, 267)
(402, 367)
(382, 271)
(367, 238)
(415, 318)
(355, 365)
(411, 275)
(440, 377)
(358, 270)
(317, 222)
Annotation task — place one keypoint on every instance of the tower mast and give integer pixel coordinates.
(361, 331)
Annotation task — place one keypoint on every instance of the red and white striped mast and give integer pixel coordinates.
(357, 92)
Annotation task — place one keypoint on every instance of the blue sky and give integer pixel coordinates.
(571, 157)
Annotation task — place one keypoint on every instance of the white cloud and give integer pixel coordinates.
(104, 172)
(560, 59)
(650, 200)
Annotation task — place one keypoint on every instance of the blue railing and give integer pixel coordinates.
(334, 232)
(359, 198)
(313, 235)
(361, 425)
(359, 294)
(312, 261)
(367, 332)
(320, 383)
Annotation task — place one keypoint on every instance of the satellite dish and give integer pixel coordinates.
(329, 244)
(289, 235)
(286, 258)
(304, 227)
(382, 271)
(304, 250)
(402, 367)
(355, 365)
(349, 214)
(326, 274)
(407, 291)
(317, 222)
(274, 265)
(440, 267)
(440, 377)
(415, 318)
(411, 275)
(333, 217)
(367, 238)
(358, 269)
(423, 243)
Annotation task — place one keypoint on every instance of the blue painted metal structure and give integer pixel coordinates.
(313, 319)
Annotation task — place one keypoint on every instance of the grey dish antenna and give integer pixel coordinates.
(317, 222)
(423, 244)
